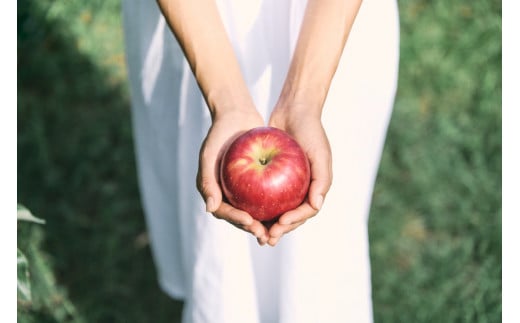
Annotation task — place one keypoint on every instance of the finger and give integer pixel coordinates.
(301, 213)
(262, 241)
(258, 230)
(207, 181)
(290, 221)
(210, 191)
(321, 172)
(279, 230)
(242, 220)
(235, 216)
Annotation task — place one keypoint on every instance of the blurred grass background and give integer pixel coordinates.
(435, 224)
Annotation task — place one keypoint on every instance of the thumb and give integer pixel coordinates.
(317, 192)
(210, 191)
(207, 184)
(321, 180)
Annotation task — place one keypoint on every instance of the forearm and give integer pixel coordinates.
(322, 37)
(201, 34)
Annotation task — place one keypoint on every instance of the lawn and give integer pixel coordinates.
(435, 224)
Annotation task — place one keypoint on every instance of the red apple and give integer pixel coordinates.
(265, 172)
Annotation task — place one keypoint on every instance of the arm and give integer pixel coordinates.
(201, 34)
(323, 35)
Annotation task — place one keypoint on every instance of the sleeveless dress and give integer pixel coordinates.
(321, 271)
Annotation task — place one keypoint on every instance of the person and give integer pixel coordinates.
(201, 72)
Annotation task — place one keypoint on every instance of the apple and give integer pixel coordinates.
(265, 172)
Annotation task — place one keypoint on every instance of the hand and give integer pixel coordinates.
(307, 129)
(225, 127)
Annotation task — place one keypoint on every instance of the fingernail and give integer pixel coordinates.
(319, 202)
(273, 241)
(263, 240)
(210, 204)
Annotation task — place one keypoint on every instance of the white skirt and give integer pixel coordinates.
(317, 273)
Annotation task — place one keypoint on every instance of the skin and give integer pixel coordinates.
(197, 26)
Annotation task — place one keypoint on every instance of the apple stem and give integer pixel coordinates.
(264, 161)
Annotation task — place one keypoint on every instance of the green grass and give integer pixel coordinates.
(435, 224)
(76, 162)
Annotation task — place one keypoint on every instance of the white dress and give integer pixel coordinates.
(317, 273)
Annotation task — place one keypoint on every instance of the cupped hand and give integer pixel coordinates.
(225, 127)
(308, 131)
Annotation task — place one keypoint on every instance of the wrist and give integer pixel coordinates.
(307, 101)
(223, 100)
(295, 115)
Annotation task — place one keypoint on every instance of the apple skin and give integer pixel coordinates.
(265, 172)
